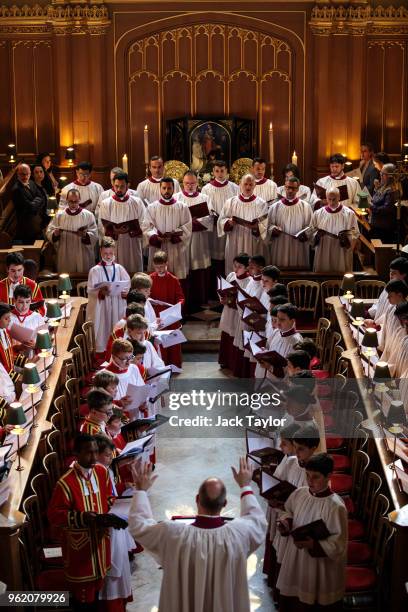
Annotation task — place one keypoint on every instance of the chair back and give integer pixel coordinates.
(32, 510)
(329, 288)
(49, 288)
(53, 468)
(80, 342)
(359, 465)
(73, 396)
(55, 444)
(322, 336)
(82, 289)
(40, 486)
(88, 329)
(369, 289)
(370, 491)
(305, 295)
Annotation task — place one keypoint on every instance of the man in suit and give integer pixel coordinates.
(29, 205)
(368, 171)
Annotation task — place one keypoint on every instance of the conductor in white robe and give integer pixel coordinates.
(121, 218)
(264, 188)
(74, 234)
(204, 563)
(334, 233)
(88, 189)
(149, 189)
(336, 179)
(286, 218)
(243, 238)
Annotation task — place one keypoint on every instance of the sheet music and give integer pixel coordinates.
(171, 337)
(255, 442)
(268, 482)
(115, 287)
(170, 315)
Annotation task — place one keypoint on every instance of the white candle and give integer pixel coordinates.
(294, 158)
(271, 150)
(125, 163)
(146, 144)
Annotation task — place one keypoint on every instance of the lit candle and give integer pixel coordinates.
(294, 158)
(125, 163)
(271, 150)
(146, 144)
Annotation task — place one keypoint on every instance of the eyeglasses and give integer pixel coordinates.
(125, 359)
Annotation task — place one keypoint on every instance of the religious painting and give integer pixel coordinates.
(200, 141)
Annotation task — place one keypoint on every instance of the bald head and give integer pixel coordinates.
(23, 173)
(211, 497)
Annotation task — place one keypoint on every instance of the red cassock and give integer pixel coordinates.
(6, 351)
(167, 288)
(86, 550)
(35, 291)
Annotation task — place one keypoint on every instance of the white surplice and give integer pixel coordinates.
(329, 255)
(266, 189)
(130, 376)
(328, 182)
(219, 193)
(380, 306)
(291, 217)
(129, 249)
(229, 317)
(254, 288)
(282, 343)
(204, 570)
(107, 312)
(149, 190)
(73, 253)
(91, 191)
(241, 239)
(315, 580)
(303, 192)
(7, 390)
(200, 257)
(108, 193)
(173, 216)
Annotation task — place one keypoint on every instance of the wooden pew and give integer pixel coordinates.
(11, 516)
(379, 453)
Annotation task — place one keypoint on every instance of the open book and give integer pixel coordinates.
(133, 449)
(226, 290)
(252, 302)
(274, 488)
(256, 321)
(199, 210)
(321, 192)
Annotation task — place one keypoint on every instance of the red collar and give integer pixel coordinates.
(21, 317)
(190, 195)
(245, 199)
(290, 332)
(208, 522)
(336, 210)
(81, 185)
(118, 199)
(153, 180)
(167, 202)
(289, 202)
(261, 181)
(216, 183)
(244, 275)
(112, 367)
(73, 213)
(326, 493)
(257, 277)
(338, 178)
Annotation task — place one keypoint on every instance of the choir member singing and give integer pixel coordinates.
(15, 276)
(335, 233)
(200, 257)
(348, 187)
(108, 193)
(74, 234)
(149, 189)
(264, 188)
(100, 409)
(104, 309)
(286, 219)
(121, 364)
(292, 171)
(242, 220)
(312, 572)
(23, 316)
(167, 225)
(392, 331)
(204, 563)
(285, 340)
(398, 271)
(78, 509)
(219, 190)
(121, 218)
(6, 348)
(142, 283)
(88, 189)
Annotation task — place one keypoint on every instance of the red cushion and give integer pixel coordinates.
(323, 390)
(355, 529)
(321, 374)
(350, 505)
(360, 579)
(334, 443)
(341, 483)
(326, 404)
(358, 553)
(341, 462)
(328, 421)
(51, 580)
(305, 320)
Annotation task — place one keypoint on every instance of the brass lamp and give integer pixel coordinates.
(44, 344)
(64, 286)
(54, 315)
(31, 378)
(15, 416)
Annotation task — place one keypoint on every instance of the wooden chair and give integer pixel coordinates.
(74, 367)
(305, 295)
(49, 288)
(341, 364)
(82, 289)
(68, 423)
(55, 444)
(53, 468)
(332, 354)
(322, 337)
(329, 288)
(32, 510)
(41, 488)
(73, 397)
(80, 342)
(369, 289)
(88, 329)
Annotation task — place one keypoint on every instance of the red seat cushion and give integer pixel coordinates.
(334, 442)
(341, 462)
(355, 529)
(350, 505)
(305, 320)
(51, 580)
(326, 404)
(321, 374)
(323, 390)
(358, 553)
(341, 483)
(360, 579)
(328, 421)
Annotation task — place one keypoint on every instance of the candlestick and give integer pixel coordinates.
(294, 158)
(271, 149)
(125, 163)
(146, 144)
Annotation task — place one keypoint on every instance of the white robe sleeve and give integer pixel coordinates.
(186, 225)
(144, 528)
(252, 523)
(148, 226)
(92, 230)
(53, 225)
(6, 385)
(224, 217)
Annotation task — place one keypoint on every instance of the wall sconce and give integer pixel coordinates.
(404, 153)
(12, 153)
(70, 155)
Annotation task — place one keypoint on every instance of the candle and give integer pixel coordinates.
(271, 151)
(294, 158)
(146, 144)
(125, 163)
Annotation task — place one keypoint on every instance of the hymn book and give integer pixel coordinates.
(271, 357)
(254, 320)
(321, 192)
(316, 530)
(227, 290)
(199, 210)
(275, 489)
(249, 224)
(128, 227)
(252, 302)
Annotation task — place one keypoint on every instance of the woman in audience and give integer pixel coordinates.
(49, 181)
(383, 219)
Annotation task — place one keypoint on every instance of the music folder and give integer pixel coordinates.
(316, 530)
(273, 488)
(199, 210)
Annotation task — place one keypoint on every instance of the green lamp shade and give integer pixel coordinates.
(370, 339)
(43, 340)
(396, 414)
(30, 374)
(348, 282)
(363, 200)
(64, 283)
(357, 309)
(15, 414)
(382, 371)
(53, 309)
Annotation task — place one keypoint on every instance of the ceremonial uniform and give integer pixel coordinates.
(329, 182)
(167, 288)
(74, 253)
(149, 189)
(6, 351)
(291, 216)
(266, 189)
(7, 291)
(128, 376)
(89, 191)
(219, 193)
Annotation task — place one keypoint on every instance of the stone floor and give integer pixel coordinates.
(181, 469)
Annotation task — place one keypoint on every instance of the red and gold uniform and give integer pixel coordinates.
(86, 550)
(6, 351)
(6, 289)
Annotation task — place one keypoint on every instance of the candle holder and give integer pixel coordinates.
(15, 416)
(51, 206)
(44, 344)
(31, 378)
(348, 283)
(370, 341)
(54, 315)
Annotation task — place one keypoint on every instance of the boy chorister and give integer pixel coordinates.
(103, 309)
(121, 364)
(6, 347)
(15, 276)
(100, 410)
(22, 315)
(142, 283)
